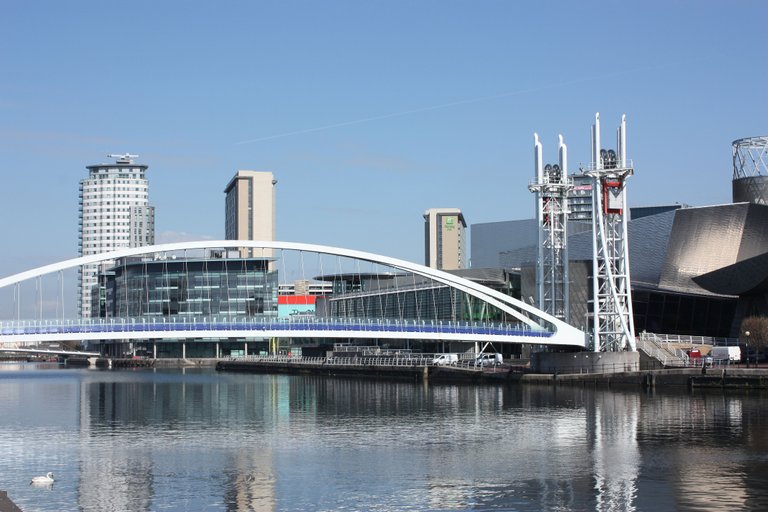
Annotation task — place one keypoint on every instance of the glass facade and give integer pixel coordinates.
(669, 313)
(439, 304)
(234, 287)
(580, 198)
(407, 297)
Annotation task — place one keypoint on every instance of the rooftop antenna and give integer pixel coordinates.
(125, 158)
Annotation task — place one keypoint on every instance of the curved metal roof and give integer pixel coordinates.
(746, 277)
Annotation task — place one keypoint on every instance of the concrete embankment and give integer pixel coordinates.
(692, 378)
(667, 378)
(735, 378)
(6, 505)
(412, 373)
(104, 362)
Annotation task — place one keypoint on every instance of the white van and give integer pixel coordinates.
(445, 359)
(730, 354)
(489, 359)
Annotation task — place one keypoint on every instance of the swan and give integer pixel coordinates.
(47, 479)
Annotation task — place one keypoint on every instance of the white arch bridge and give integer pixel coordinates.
(406, 301)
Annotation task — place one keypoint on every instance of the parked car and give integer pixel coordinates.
(445, 359)
(489, 359)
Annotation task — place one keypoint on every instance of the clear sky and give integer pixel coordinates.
(367, 112)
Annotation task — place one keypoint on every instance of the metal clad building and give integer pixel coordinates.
(489, 240)
(694, 270)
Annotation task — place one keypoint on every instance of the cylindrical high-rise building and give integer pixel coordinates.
(114, 214)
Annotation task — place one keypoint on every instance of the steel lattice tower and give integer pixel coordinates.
(613, 326)
(750, 157)
(750, 170)
(551, 187)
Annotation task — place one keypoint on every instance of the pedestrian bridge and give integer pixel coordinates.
(372, 297)
(45, 352)
(308, 327)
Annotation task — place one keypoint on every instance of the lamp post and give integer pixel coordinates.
(746, 346)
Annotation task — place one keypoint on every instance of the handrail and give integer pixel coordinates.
(660, 347)
(417, 360)
(216, 323)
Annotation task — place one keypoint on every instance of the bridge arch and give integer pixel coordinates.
(563, 333)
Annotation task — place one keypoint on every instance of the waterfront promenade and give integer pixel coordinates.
(422, 369)
(6, 505)
(720, 377)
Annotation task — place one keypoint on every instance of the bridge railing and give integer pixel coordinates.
(417, 360)
(402, 360)
(224, 323)
(686, 339)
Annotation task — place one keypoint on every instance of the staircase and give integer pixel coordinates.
(658, 347)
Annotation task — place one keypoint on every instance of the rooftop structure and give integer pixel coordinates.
(750, 170)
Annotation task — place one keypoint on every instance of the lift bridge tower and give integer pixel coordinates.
(552, 186)
(613, 327)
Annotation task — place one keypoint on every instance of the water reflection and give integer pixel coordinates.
(164, 430)
(616, 453)
(194, 440)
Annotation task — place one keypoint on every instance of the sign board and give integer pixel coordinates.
(292, 305)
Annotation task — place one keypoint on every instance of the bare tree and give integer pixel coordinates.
(754, 332)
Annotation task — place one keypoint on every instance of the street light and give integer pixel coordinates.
(746, 346)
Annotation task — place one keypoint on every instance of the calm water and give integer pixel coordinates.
(198, 440)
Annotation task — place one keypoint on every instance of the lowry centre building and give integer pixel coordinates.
(694, 270)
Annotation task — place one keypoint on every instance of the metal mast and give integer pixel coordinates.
(551, 187)
(613, 326)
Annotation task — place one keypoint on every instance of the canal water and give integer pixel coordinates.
(141, 440)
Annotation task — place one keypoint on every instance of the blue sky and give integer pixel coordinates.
(367, 112)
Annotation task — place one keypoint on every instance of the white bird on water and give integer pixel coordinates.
(42, 480)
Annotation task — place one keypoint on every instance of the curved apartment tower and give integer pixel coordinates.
(114, 214)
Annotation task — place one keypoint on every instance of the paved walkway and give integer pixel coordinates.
(6, 505)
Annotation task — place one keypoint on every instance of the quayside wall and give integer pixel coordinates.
(730, 377)
(737, 378)
(412, 373)
(692, 378)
